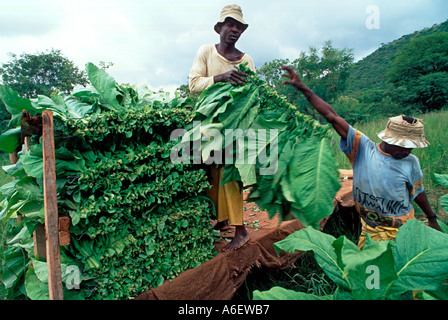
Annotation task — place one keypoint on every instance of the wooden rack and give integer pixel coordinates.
(51, 209)
(47, 237)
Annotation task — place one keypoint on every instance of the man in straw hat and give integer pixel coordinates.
(216, 63)
(212, 64)
(386, 176)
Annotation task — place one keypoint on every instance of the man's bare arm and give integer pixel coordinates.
(338, 123)
(422, 201)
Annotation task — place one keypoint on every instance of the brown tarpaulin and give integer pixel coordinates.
(220, 277)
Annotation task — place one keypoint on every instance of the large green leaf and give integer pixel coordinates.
(33, 165)
(10, 140)
(441, 179)
(105, 85)
(440, 294)
(55, 104)
(242, 108)
(258, 146)
(421, 258)
(36, 282)
(26, 198)
(258, 149)
(345, 263)
(279, 293)
(371, 270)
(15, 170)
(14, 102)
(76, 108)
(66, 162)
(321, 244)
(211, 140)
(209, 99)
(444, 202)
(312, 182)
(14, 265)
(443, 226)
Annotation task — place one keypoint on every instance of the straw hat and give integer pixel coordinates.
(399, 132)
(231, 11)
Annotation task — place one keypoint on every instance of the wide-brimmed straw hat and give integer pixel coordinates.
(231, 11)
(400, 132)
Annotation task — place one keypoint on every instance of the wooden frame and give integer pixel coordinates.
(48, 237)
(51, 209)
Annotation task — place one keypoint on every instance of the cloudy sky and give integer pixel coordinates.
(154, 41)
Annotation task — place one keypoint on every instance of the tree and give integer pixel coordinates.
(39, 74)
(325, 71)
(42, 73)
(419, 73)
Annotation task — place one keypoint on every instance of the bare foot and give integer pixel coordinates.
(240, 238)
(222, 225)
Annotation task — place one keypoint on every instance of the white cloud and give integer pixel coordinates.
(155, 41)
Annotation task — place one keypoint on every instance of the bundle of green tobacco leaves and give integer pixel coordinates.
(266, 143)
(137, 218)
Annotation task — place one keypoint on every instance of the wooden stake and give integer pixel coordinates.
(40, 247)
(51, 209)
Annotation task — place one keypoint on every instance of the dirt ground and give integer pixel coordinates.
(256, 221)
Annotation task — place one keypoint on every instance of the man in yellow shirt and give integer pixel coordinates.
(212, 64)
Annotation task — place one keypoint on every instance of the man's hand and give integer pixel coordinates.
(324, 109)
(295, 80)
(234, 77)
(422, 201)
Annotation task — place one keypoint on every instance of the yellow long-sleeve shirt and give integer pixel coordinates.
(209, 63)
(228, 199)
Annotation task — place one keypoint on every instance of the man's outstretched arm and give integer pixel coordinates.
(338, 123)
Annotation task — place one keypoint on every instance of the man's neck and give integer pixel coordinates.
(229, 51)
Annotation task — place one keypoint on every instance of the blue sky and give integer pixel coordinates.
(154, 42)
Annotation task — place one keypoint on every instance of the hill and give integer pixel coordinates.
(371, 71)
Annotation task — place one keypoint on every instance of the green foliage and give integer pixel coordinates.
(370, 73)
(368, 106)
(325, 71)
(44, 73)
(442, 179)
(382, 270)
(285, 157)
(420, 72)
(368, 81)
(137, 218)
(41, 73)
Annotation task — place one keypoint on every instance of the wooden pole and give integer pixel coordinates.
(51, 209)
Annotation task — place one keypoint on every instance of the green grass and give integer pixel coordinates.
(307, 276)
